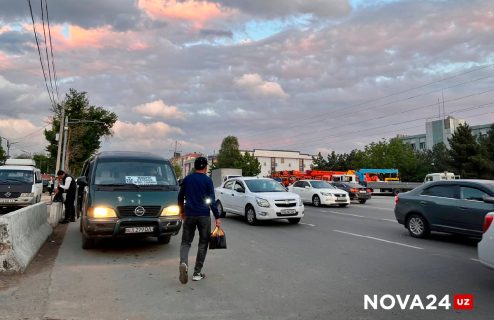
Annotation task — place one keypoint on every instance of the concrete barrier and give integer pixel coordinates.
(56, 213)
(22, 233)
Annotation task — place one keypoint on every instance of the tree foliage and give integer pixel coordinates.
(250, 165)
(88, 124)
(3, 154)
(468, 157)
(230, 156)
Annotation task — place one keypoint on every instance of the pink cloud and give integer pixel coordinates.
(143, 131)
(254, 84)
(159, 109)
(4, 62)
(197, 12)
(75, 37)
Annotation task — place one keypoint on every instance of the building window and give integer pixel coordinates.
(290, 165)
(413, 146)
(264, 163)
(282, 160)
(422, 145)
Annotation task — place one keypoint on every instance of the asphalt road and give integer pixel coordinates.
(319, 269)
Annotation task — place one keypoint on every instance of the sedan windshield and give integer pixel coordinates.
(140, 173)
(264, 185)
(321, 185)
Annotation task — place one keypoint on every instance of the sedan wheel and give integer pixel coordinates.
(220, 209)
(417, 226)
(250, 216)
(316, 201)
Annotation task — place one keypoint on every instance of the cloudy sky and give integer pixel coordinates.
(307, 75)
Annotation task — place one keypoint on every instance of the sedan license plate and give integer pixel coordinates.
(363, 191)
(139, 229)
(288, 211)
(7, 200)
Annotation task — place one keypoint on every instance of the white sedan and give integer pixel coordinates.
(258, 199)
(486, 246)
(320, 193)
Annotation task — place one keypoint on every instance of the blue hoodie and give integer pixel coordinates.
(196, 189)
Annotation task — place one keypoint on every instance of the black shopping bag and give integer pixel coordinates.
(217, 239)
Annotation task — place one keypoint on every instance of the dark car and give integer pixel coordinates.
(355, 191)
(128, 194)
(454, 206)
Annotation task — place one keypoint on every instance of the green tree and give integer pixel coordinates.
(88, 124)
(44, 163)
(319, 162)
(3, 154)
(487, 149)
(440, 158)
(178, 170)
(250, 165)
(229, 155)
(465, 153)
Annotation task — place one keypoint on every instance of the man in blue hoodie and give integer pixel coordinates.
(197, 192)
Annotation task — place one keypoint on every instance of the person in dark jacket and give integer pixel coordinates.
(197, 192)
(67, 184)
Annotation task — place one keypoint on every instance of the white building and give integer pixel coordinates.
(441, 130)
(281, 160)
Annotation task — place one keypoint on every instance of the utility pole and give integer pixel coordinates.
(66, 139)
(175, 151)
(60, 136)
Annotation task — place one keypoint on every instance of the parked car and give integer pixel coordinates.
(128, 194)
(355, 190)
(486, 245)
(319, 193)
(258, 199)
(453, 206)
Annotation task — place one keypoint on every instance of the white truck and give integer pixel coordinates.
(20, 183)
(441, 176)
(222, 174)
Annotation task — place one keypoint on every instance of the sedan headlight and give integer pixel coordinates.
(327, 194)
(27, 194)
(170, 211)
(101, 212)
(262, 202)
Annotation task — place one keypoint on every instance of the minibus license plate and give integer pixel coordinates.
(139, 229)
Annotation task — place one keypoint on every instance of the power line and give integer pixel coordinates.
(30, 134)
(320, 117)
(322, 138)
(51, 49)
(39, 54)
(46, 49)
(319, 131)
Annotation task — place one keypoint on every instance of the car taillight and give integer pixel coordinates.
(397, 198)
(353, 190)
(369, 191)
(487, 222)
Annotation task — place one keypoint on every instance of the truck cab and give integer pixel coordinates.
(21, 184)
(441, 176)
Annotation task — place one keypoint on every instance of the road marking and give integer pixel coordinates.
(378, 239)
(473, 259)
(360, 216)
(307, 224)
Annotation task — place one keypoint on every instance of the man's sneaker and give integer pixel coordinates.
(198, 276)
(184, 277)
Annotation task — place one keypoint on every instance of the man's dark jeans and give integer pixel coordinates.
(203, 225)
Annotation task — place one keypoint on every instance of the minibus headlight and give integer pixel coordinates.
(101, 212)
(170, 211)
